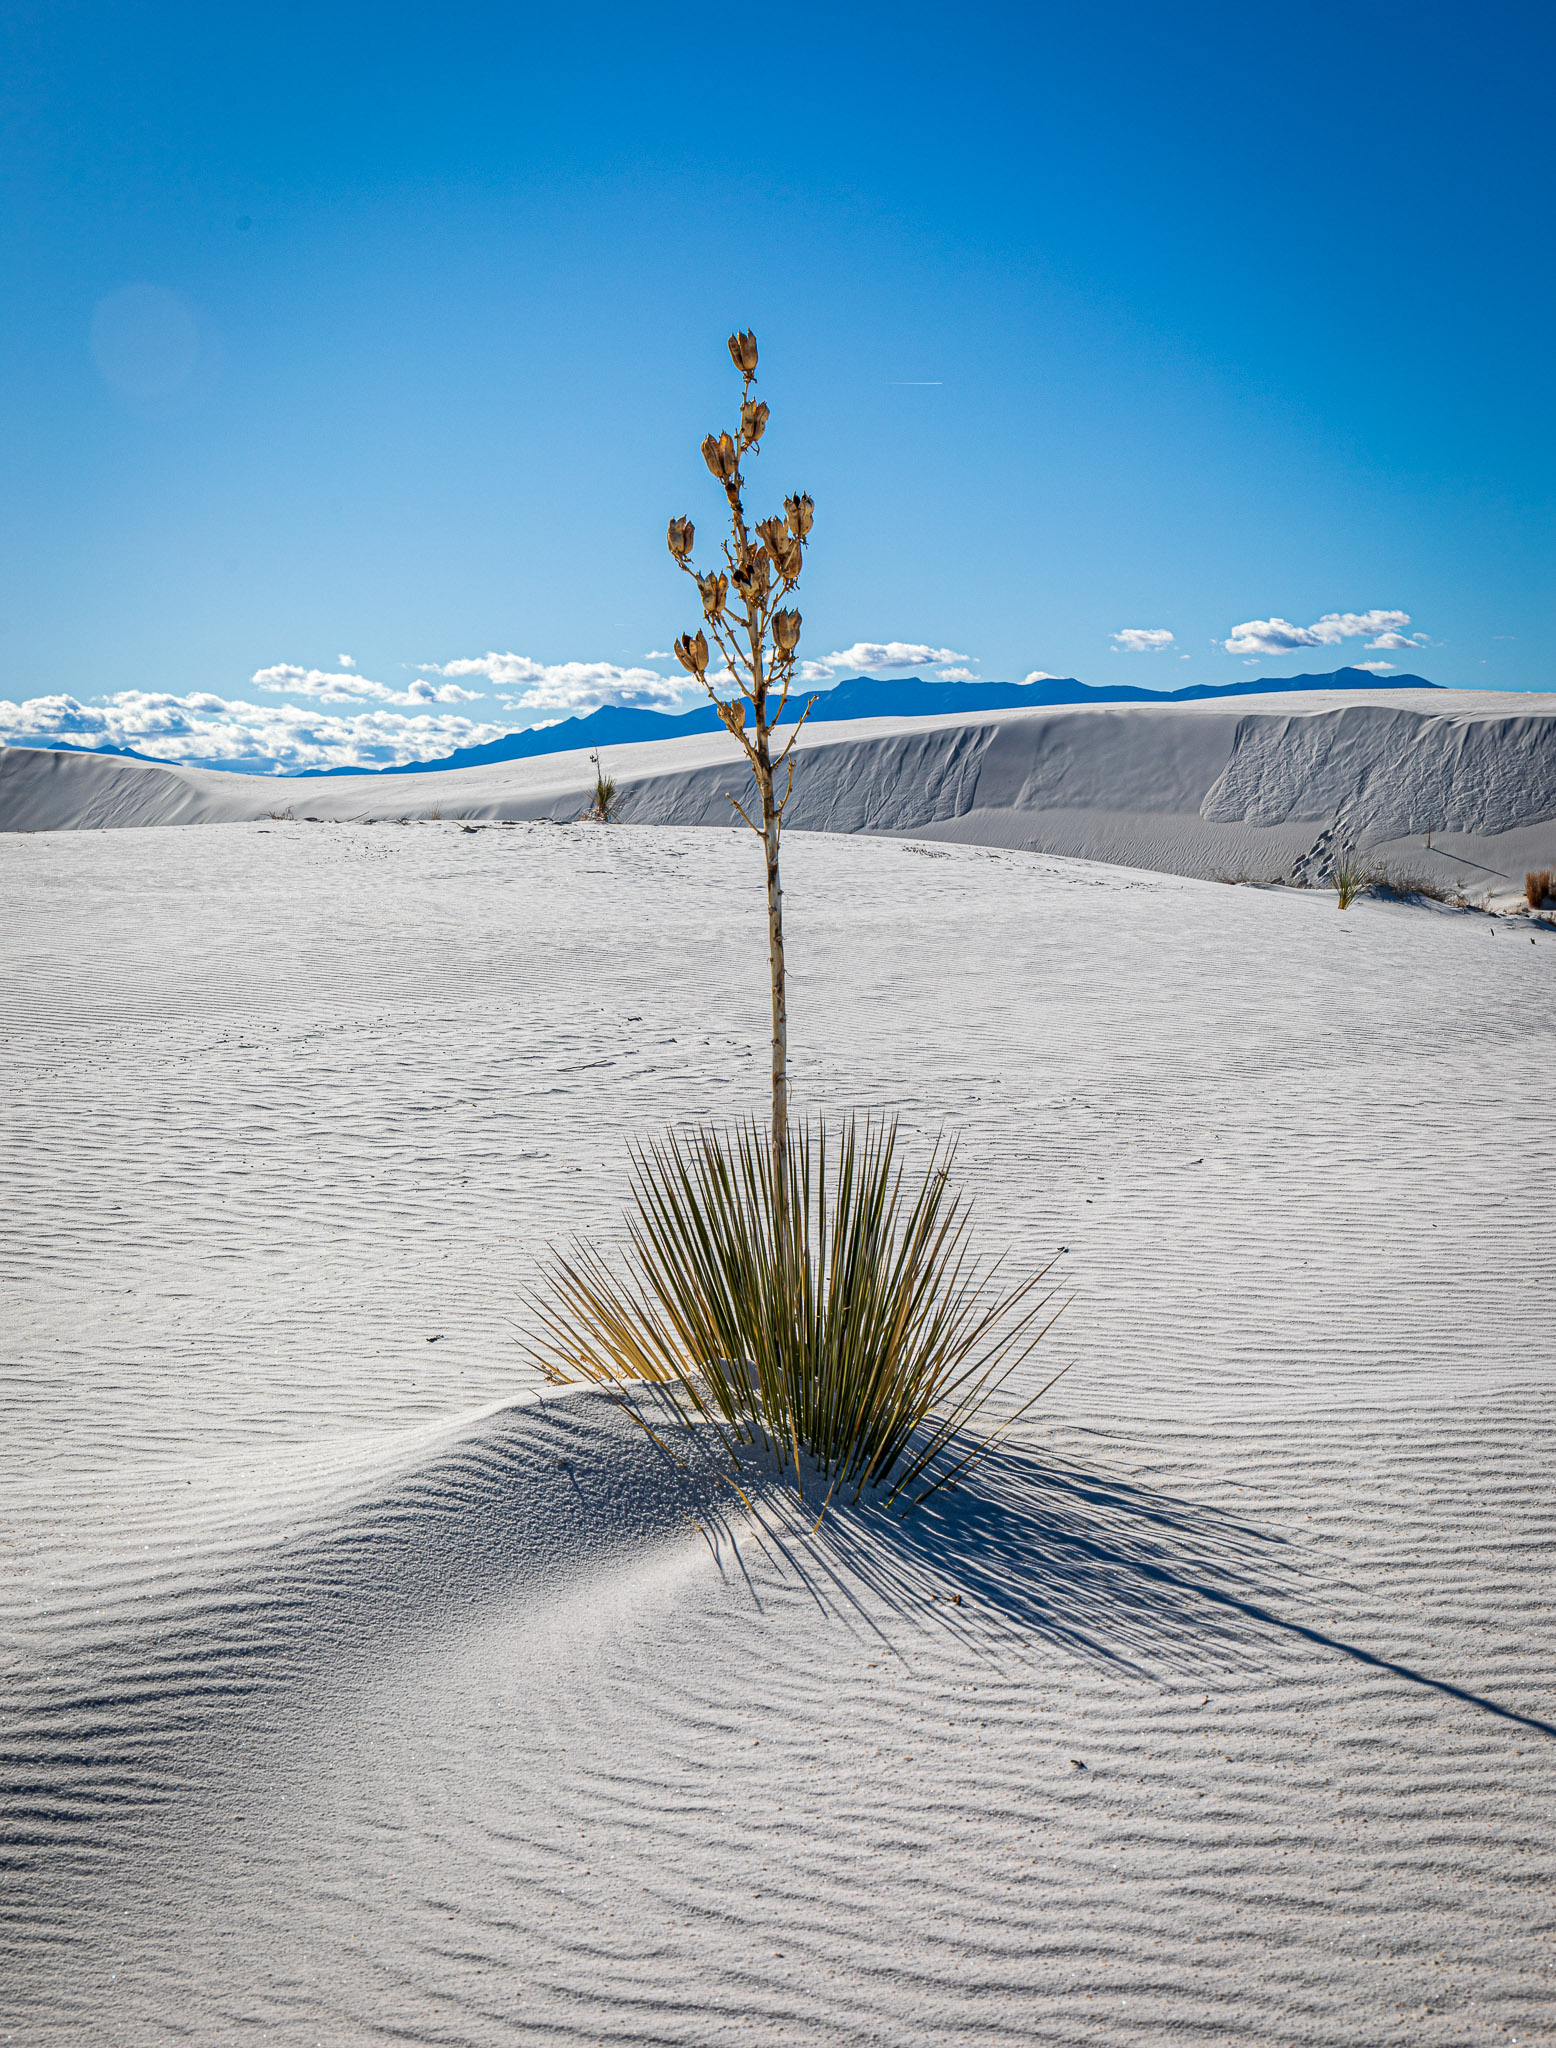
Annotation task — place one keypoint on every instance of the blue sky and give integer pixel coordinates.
(391, 333)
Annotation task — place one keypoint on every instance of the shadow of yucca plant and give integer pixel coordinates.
(847, 1324)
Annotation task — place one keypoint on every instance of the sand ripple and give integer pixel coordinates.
(355, 1694)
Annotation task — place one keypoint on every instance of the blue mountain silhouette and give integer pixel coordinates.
(616, 725)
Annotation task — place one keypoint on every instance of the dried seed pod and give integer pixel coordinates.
(680, 537)
(742, 353)
(753, 423)
(714, 589)
(718, 452)
(774, 533)
(691, 651)
(800, 511)
(786, 630)
(753, 579)
(789, 559)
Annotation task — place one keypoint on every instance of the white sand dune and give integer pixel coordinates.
(1261, 786)
(354, 1692)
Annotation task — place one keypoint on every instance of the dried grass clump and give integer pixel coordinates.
(847, 1324)
(1407, 882)
(1349, 874)
(1538, 884)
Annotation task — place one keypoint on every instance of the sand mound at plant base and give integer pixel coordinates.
(355, 1694)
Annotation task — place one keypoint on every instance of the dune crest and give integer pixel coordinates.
(1256, 786)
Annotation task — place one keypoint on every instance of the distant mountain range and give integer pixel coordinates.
(120, 753)
(615, 725)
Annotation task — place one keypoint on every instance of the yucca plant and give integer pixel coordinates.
(845, 1326)
(1349, 875)
(798, 1293)
(605, 802)
(1538, 884)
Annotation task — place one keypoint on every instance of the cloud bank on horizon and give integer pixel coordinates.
(349, 720)
(564, 688)
(289, 737)
(235, 734)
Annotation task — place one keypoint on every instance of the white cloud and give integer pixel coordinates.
(1041, 675)
(1269, 636)
(345, 661)
(564, 686)
(1376, 666)
(329, 686)
(956, 675)
(1280, 636)
(880, 657)
(201, 727)
(332, 687)
(423, 692)
(1141, 640)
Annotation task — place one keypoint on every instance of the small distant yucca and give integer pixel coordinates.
(1349, 875)
(605, 802)
(1538, 884)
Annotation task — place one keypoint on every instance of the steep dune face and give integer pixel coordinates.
(1193, 789)
(1026, 763)
(1384, 773)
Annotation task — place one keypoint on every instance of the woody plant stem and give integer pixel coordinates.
(757, 636)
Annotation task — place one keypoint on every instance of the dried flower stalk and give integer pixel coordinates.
(757, 635)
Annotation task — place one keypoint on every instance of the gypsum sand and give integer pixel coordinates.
(356, 1694)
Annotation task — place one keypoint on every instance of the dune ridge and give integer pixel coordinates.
(1258, 787)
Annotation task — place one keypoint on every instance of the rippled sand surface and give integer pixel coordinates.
(354, 1692)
